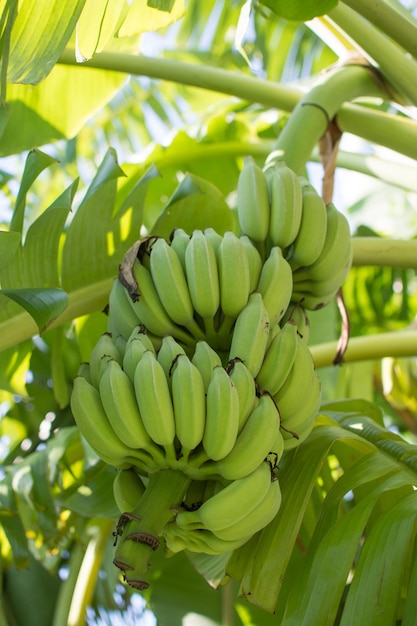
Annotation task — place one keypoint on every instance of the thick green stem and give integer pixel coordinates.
(368, 348)
(397, 253)
(212, 78)
(397, 67)
(318, 108)
(137, 532)
(394, 21)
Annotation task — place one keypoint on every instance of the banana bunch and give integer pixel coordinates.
(160, 409)
(277, 208)
(194, 287)
(231, 514)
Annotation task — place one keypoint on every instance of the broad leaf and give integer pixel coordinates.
(40, 33)
(9, 243)
(43, 304)
(143, 17)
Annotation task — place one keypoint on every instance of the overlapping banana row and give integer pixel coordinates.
(158, 409)
(278, 208)
(194, 287)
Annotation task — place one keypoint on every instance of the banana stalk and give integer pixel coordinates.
(136, 534)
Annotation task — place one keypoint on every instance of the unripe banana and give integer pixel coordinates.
(253, 200)
(179, 241)
(200, 541)
(286, 202)
(136, 346)
(154, 401)
(253, 444)
(91, 419)
(257, 519)
(314, 294)
(307, 410)
(140, 332)
(250, 334)
(311, 236)
(214, 237)
(279, 360)
(84, 371)
(246, 389)
(122, 318)
(289, 398)
(167, 355)
(254, 260)
(149, 309)
(171, 285)
(297, 314)
(222, 415)
(276, 285)
(205, 359)
(127, 490)
(234, 275)
(336, 251)
(189, 403)
(119, 402)
(233, 503)
(202, 275)
(103, 349)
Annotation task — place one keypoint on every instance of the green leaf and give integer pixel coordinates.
(143, 18)
(300, 10)
(375, 594)
(40, 33)
(36, 162)
(161, 5)
(97, 24)
(9, 243)
(195, 204)
(43, 304)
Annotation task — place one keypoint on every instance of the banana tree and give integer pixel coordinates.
(126, 119)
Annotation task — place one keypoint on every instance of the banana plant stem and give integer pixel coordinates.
(396, 66)
(368, 348)
(138, 531)
(392, 20)
(264, 92)
(318, 108)
(375, 251)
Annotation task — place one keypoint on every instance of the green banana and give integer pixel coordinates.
(202, 276)
(254, 260)
(234, 275)
(279, 360)
(84, 371)
(231, 504)
(257, 519)
(305, 414)
(276, 284)
(253, 201)
(250, 334)
(200, 540)
(286, 201)
(149, 309)
(222, 415)
(167, 355)
(253, 444)
(128, 489)
(205, 359)
(136, 345)
(246, 389)
(154, 402)
(179, 241)
(311, 236)
(170, 282)
(214, 237)
(119, 402)
(297, 314)
(336, 253)
(314, 294)
(189, 403)
(289, 398)
(91, 419)
(103, 349)
(122, 319)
